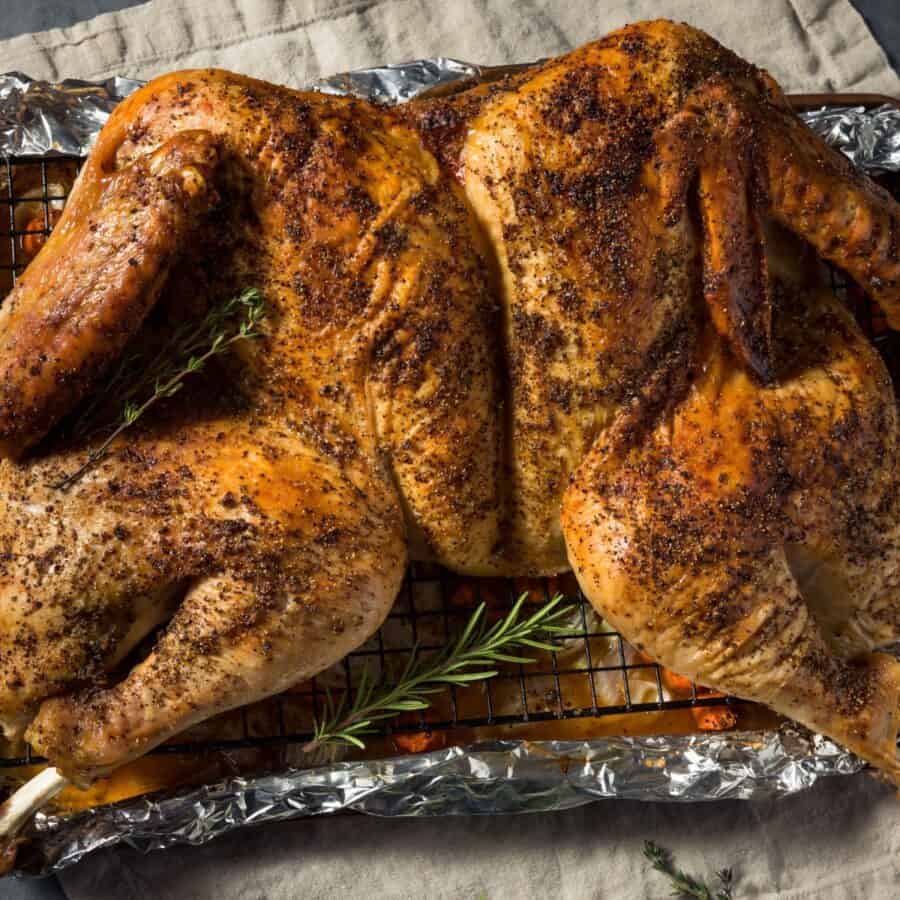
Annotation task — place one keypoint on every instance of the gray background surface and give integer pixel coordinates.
(565, 853)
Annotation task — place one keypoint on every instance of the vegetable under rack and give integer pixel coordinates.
(592, 674)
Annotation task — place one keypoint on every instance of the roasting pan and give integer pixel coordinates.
(595, 695)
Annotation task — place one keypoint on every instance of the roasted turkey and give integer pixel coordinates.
(571, 318)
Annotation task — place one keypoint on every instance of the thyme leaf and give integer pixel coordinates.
(684, 885)
(137, 384)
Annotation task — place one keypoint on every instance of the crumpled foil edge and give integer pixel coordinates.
(870, 138)
(39, 119)
(481, 779)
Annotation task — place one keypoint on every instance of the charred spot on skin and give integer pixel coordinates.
(442, 122)
(391, 239)
(571, 301)
(330, 536)
(576, 98)
(424, 201)
(538, 332)
(358, 200)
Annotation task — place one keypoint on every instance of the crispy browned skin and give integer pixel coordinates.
(735, 536)
(727, 469)
(76, 306)
(565, 292)
(268, 514)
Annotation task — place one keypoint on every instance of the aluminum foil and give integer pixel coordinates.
(482, 779)
(870, 137)
(37, 118)
(398, 83)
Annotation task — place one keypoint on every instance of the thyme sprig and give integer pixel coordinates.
(684, 885)
(472, 657)
(138, 384)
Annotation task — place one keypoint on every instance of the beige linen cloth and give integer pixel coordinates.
(840, 840)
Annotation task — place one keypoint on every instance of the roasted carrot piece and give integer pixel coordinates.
(714, 718)
(418, 741)
(677, 684)
(463, 596)
(34, 238)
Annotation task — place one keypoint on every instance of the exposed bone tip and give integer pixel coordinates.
(18, 810)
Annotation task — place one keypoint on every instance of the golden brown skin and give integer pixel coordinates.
(727, 475)
(264, 507)
(64, 323)
(547, 322)
(736, 537)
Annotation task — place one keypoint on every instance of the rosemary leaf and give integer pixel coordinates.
(465, 677)
(509, 658)
(470, 658)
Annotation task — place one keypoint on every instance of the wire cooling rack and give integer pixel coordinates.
(594, 672)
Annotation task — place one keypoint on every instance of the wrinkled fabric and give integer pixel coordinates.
(808, 45)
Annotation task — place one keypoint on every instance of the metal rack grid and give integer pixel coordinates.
(25, 187)
(593, 674)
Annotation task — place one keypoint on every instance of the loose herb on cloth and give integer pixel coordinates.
(684, 885)
(138, 384)
(471, 658)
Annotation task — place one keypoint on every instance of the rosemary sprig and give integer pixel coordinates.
(684, 885)
(471, 657)
(185, 353)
